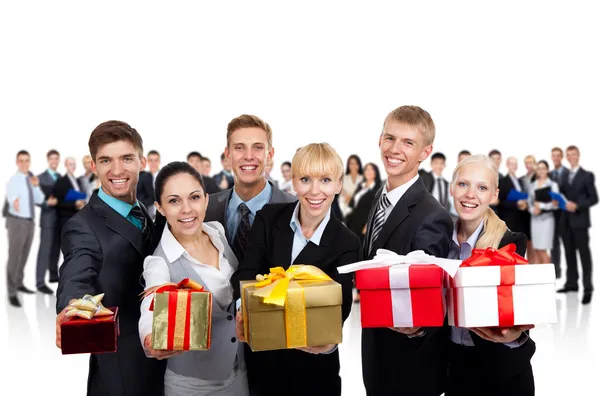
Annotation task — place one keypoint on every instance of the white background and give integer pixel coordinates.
(518, 76)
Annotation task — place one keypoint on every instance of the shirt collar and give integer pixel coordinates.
(52, 173)
(472, 240)
(575, 169)
(318, 234)
(397, 193)
(173, 249)
(256, 203)
(122, 208)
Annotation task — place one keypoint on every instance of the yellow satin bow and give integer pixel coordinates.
(274, 286)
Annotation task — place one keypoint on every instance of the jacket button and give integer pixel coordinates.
(230, 317)
(233, 339)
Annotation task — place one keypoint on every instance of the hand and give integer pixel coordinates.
(571, 206)
(406, 330)
(554, 203)
(224, 185)
(316, 350)
(239, 327)
(34, 181)
(79, 204)
(59, 319)
(16, 205)
(347, 198)
(364, 230)
(160, 355)
(52, 201)
(501, 335)
(537, 211)
(522, 204)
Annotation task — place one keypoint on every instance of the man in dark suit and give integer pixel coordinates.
(249, 146)
(404, 218)
(434, 181)
(199, 163)
(514, 213)
(145, 190)
(556, 175)
(49, 250)
(496, 156)
(66, 208)
(578, 186)
(224, 179)
(104, 246)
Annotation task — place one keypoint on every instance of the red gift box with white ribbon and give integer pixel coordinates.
(402, 291)
(499, 288)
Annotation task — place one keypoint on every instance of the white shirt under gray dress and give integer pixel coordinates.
(217, 280)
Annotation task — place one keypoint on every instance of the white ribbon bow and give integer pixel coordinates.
(385, 258)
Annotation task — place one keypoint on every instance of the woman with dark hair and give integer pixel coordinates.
(350, 181)
(190, 248)
(362, 200)
(541, 207)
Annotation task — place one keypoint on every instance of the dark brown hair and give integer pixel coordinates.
(111, 132)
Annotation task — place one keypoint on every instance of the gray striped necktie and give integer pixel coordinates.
(379, 219)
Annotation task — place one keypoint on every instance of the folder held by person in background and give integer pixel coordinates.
(543, 195)
(73, 195)
(562, 202)
(515, 195)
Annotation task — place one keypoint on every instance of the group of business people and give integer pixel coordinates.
(221, 239)
(59, 197)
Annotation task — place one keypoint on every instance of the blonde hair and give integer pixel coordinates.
(531, 157)
(318, 159)
(249, 121)
(415, 117)
(493, 227)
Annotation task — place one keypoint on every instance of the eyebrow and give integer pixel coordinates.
(121, 156)
(195, 191)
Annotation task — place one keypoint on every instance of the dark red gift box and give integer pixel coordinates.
(96, 335)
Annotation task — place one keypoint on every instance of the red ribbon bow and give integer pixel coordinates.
(185, 286)
(504, 256)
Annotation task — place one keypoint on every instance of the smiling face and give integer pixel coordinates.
(23, 163)
(70, 165)
(316, 193)
(473, 191)
(53, 160)
(369, 173)
(530, 165)
(249, 152)
(286, 172)
(118, 167)
(402, 149)
(183, 203)
(153, 163)
(512, 165)
(541, 170)
(573, 158)
(557, 157)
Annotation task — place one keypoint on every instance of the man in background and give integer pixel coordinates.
(196, 160)
(224, 179)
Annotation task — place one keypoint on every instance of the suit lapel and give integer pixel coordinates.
(119, 224)
(578, 177)
(283, 240)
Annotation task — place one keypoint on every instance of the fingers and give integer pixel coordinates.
(479, 331)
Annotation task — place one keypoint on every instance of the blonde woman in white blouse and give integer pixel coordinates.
(190, 248)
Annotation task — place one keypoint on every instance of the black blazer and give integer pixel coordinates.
(104, 253)
(491, 368)
(145, 189)
(65, 209)
(271, 241)
(357, 218)
(583, 192)
(49, 214)
(515, 219)
(219, 177)
(394, 364)
(429, 180)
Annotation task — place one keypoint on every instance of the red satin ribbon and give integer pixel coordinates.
(185, 286)
(505, 257)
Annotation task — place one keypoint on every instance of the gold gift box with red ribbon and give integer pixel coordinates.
(292, 308)
(182, 317)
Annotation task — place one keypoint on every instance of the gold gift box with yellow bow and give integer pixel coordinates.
(292, 308)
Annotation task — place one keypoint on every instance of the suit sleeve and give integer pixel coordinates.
(434, 235)
(591, 195)
(346, 280)
(61, 190)
(254, 256)
(82, 263)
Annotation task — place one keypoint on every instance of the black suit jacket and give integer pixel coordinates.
(515, 219)
(49, 214)
(271, 241)
(219, 177)
(394, 364)
(104, 253)
(429, 181)
(65, 209)
(491, 368)
(145, 189)
(583, 192)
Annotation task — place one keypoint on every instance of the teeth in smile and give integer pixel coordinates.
(315, 202)
(394, 161)
(119, 181)
(468, 205)
(248, 167)
(187, 220)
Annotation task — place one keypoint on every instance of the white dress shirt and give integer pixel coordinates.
(156, 272)
(300, 241)
(74, 182)
(515, 181)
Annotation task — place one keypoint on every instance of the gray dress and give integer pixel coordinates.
(542, 225)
